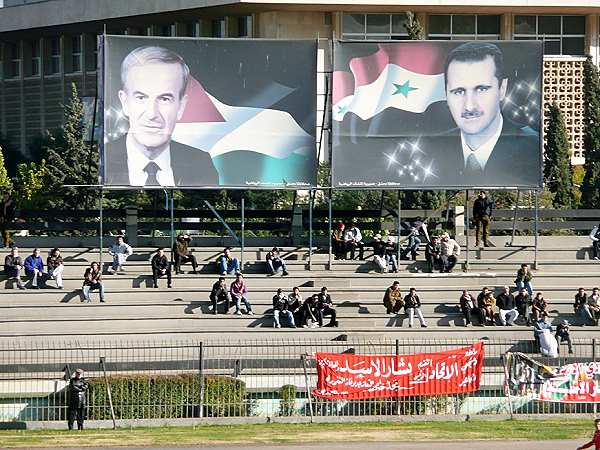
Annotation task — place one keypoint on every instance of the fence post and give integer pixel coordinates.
(308, 393)
(108, 391)
(101, 217)
(397, 354)
(467, 229)
(330, 230)
(297, 225)
(537, 219)
(201, 380)
(242, 233)
(310, 227)
(459, 220)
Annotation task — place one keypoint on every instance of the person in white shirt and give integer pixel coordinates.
(450, 251)
(595, 237)
(353, 238)
(119, 251)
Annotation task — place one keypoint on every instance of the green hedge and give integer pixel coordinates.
(166, 397)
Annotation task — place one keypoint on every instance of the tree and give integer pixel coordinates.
(29, 189)
(5, 181)
(557, 164)
(67, 158)
(590, 188)
(413, 27)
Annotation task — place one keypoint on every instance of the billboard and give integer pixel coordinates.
(209, 113)
(437, 114)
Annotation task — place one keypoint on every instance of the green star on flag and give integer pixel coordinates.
(404, 88)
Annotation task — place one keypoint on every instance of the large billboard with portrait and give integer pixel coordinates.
(209, 113)
(437, 114)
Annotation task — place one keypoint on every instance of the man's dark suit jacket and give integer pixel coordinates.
(191, 167)
(515, 160)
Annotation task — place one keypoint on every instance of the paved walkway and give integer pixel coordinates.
(477, 445)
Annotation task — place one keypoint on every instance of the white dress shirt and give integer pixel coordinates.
(484, 151)
(137, 161)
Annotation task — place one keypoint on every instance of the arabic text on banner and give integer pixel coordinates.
(344, 376)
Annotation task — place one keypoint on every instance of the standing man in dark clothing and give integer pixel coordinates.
(78, 388)
(181, 253)
(7, 217)
(325, 308)
(160, 267)
(219, 293)
(482, 216)
(13, 267)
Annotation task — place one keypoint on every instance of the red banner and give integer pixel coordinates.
(346, 376)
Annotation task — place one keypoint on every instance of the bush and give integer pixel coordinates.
(287, 405)
(166, 397)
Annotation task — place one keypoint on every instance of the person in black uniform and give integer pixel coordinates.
(160, 267)
(77, 391)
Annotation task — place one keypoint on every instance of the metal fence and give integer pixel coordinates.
(240, 379)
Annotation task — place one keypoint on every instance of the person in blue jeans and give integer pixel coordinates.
(228, 263)
(523, 280)
(239, 294)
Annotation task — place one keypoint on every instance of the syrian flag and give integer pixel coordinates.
(249, 146)
(406, 77)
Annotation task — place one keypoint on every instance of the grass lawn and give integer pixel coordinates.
(288, 433)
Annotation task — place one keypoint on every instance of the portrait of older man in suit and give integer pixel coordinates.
(486, 148)
(153, 98)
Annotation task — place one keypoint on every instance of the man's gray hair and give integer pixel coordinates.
(151, 54)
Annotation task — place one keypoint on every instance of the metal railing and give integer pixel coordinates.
(240, 379)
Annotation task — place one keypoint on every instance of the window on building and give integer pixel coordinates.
(54, 62)
(374, 27)
(192, 29)
(463, 27)
(562, 35)
(218, 28)
(76, 53)
(244, 26)
(36, 58)
(14, 60)
(164, 30)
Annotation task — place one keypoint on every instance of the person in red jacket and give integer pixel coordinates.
(595, 440)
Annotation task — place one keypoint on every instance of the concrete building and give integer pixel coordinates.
(48, 44)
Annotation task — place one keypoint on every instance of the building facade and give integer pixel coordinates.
(46, 45)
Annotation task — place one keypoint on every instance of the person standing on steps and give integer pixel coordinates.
(482, 216)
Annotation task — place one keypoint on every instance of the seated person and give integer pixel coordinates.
(540, 325)
(391, 254)
(239, 294)
(412, 305)
(13, 267)
(433, 254)
(563, 335)
(539, 307)
(582, 309)
(119, 251)
(449, 253)
(219, 294)
(594, 303)
(275, 262)
(507, 309)
(34, 269)
(160, 267)
(325, 308)
(182, 254)
(353, 240)
(523, 279)
(412, 245)
(338, 243)
(467, 305)
(379, 253)
(281, 309)
(227, 263)
(92, 280)
(523, 303)
(310, 311)
(485, 304)
(392, 300)
(55, 265)
(296, 307)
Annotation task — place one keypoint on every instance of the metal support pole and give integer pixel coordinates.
(172, 208)
(514, 226)
(467, 229)
(508, 396)
(242, 233)
(330, 231)
(308, 393)
(109, 393)
(398, 354)
(311, 196)
(537, 217)
(201, 380)
(101, 216)
(399, 226)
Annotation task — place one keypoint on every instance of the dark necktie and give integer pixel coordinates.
(151, 169)
(473, 165)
